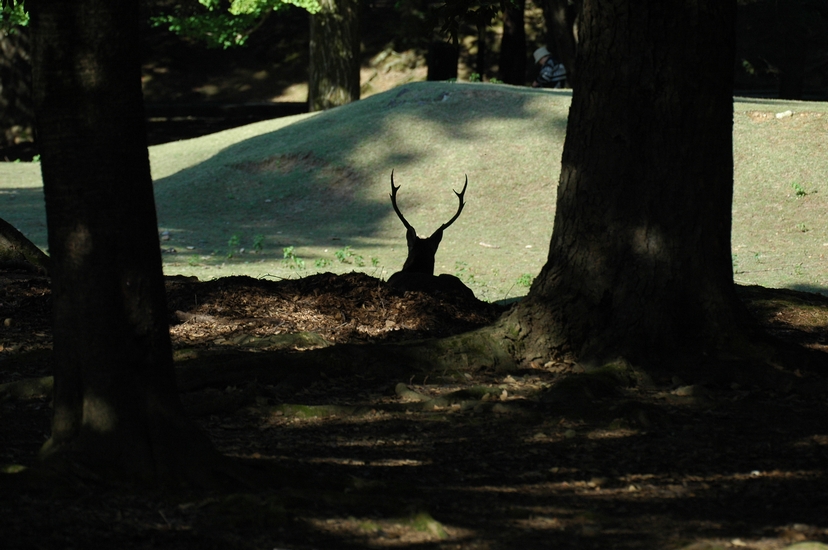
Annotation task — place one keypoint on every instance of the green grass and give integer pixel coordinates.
(318, 185)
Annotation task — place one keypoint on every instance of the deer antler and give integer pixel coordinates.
(421, 251)
(459, 208)
(394, 203)
(407, 225)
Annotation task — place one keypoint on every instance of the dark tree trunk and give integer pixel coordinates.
(639, 263)
(480, 57)
(561, 17)
(334, 55)
(117, 411)
(513, 45)
(442, 61)
(794, 50)
(16, 112)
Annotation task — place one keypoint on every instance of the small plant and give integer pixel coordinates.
(347, 256)
(475, 77)
(374, 262)
(799, 270)
(292, 261)
(525, 280)
(802, 227)
(322, 262)
(799, 190)
(495, 81)
(258, 243)
(463, 272)
(233, 245)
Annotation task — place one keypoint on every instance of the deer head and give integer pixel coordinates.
(421, 251)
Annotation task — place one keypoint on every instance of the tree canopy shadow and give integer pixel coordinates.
(325, 177)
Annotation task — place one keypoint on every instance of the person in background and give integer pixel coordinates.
(552, 74)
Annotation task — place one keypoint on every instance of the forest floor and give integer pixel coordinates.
(535, 458)
(541, 457)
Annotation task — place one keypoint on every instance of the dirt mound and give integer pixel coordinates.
(352, 307)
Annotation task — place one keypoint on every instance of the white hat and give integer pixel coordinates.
(540, 53)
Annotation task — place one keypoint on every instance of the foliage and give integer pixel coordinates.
(12, 15)
(463, 272)
(800, 190)
(292, 261)
(220, 28)
(478, 13)
(258, 243)
(233, 244)
(347, 256)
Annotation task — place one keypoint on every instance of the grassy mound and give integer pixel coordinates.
(299, 195)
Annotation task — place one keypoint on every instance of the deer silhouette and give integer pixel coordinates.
(417, 272)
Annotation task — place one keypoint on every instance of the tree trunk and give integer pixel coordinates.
(117, 411)
(561, 17)
(16, 111)
(480, 57)
(442, 60)
(334, 55)
(794, 49)
(513, 45)
(639, 264)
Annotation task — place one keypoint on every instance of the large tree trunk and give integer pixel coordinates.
(513, 45)
(442, 60)
(639, 263)
(334, 55)
(561, 17)
(794, 50)
(117, 411)
(15, 88)
(480, 56)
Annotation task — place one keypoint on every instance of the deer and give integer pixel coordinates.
(417, 272)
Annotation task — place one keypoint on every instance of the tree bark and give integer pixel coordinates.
(561, 17)
(794, 50)
(639, 263)
(481, 54)
(442, 60)
(513, 45)
(117, 410)
(334, 55)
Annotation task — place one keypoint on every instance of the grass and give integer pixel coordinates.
(318, 185)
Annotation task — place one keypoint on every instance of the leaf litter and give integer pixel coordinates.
(495, 460)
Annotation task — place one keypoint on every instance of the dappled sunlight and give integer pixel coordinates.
(78, 245)
(321, 182)
(387, 456)
(503, 143)
(98, 414)
(647, 241)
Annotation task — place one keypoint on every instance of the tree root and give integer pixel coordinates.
(16, 251)
(26, 389)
